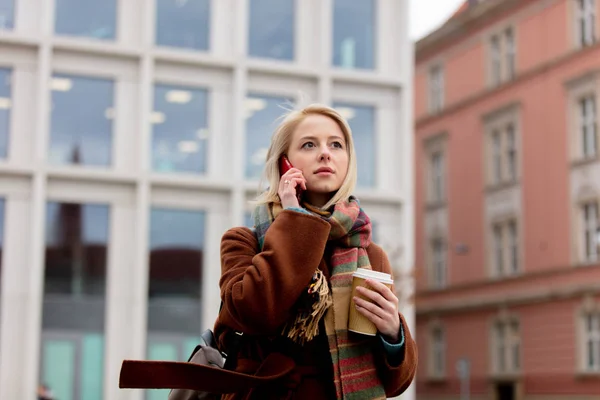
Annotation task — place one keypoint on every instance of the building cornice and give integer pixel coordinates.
(528, 288)
(481, 95)
(480, 303)
(461, 25)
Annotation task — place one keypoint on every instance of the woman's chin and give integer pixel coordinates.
(323, 189)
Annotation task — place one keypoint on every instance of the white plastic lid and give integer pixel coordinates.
(370, 274)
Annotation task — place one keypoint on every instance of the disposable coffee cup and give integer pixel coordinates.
(356, 321)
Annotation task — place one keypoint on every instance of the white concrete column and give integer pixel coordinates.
(120, 298)
(15, 301)
(326, 34)
(217, 221)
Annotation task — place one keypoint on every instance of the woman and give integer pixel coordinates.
(286, 285)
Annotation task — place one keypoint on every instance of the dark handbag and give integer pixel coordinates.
(207, 374)
(208, 353)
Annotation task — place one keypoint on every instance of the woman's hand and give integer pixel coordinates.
(288, 184)
(383, 311)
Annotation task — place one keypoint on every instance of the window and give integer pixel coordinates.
(175, 285)
(436, 89)
(362, 122)
(588, 126)
(83, 137)
(354, 41)
(5, 107)
(261, 114)
(498, 250)
(591, 351)
(505, 246)
(7, 14)
(496, 60)
(272, 29)
(511, 153)
(72, 359)
(507, 347)
(438, 353)
(438, 264)
(437, 177)
(503, 150)
(510, 54)
(586, 22)
(88, 18)
(502, 57)
(591, 231)
(183, 23)
(179, 129)
(174, 289)
(513, 247)
(435, 170)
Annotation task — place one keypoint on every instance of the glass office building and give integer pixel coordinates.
(133, 134)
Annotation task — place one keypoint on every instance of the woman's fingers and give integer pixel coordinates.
(288, 186)
(379, 305)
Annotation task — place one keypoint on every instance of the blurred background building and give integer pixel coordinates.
(132, 134)
(507, 200)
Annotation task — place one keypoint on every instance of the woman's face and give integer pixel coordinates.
(318, 149)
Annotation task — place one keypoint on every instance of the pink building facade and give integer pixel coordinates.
(507, 152)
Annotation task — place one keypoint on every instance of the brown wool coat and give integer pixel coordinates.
(259, 290)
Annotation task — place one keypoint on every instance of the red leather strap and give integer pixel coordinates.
(137, 374)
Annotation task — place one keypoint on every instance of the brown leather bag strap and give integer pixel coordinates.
(136, 374)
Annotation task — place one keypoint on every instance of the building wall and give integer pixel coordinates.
(131, 188)
(552, 284)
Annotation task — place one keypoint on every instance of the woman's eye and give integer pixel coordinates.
(308, 145)
(338, 145)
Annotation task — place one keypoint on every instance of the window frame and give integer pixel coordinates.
(438, 262)
(578, 90)
(437, 350)
(589, 227)
(436, 184)
(588, 125)
(504, 363)
(502, 54)
(505, 255)
(502, 146)
(436, 88)
(584, 22)
(588, 308)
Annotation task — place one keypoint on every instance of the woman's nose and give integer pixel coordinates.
(325, 153)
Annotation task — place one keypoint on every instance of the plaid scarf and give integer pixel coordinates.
(354, 371)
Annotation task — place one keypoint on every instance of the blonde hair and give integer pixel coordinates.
(280, 144)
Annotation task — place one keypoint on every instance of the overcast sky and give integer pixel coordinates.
(426, 15)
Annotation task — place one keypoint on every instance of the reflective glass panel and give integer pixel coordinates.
(261, 113)
(179, 129)
(183, 23)
(354, 34)
(89, 18)
(362, 122)
(272, 29)
(81, 121)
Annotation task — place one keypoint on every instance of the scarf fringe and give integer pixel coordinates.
(305, 326)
